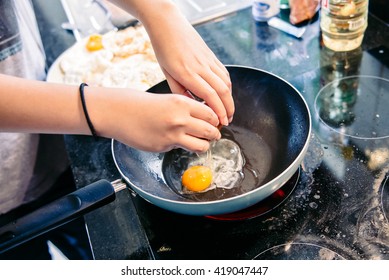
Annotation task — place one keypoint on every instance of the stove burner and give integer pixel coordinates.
(263, 206)
(298, 251)
(355, 106)
(385, 197)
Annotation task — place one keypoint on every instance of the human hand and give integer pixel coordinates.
(154, 122)
(189, 64)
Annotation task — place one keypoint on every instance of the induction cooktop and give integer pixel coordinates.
(336, 207)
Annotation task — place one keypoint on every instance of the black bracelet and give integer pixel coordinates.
(92, 129)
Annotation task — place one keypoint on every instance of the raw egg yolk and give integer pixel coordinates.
(94, 43)
(197, 178)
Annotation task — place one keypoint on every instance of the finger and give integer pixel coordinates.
(223, 73)
(204, 113)
(175, 86)
(223, 93)
(220, 70)
(219, 100)
(201, 88)
(222, 84)
(193, 144)
(203, 130)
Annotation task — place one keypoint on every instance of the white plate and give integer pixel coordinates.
(55, 74)
(119, 64)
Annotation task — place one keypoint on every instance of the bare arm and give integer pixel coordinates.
(143, 120)
(39, 107)
(151, 122)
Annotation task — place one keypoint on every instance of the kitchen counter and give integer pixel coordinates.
(129, 227)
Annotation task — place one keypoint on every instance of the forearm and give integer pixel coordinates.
(147, 10)
(156, 16)
(39, 107)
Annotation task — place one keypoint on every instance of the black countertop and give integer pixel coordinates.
(128, 228)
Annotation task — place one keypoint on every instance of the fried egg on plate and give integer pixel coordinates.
(127, 60)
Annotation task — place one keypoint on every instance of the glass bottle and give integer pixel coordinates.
(343, 23)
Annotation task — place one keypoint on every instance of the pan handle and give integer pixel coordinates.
(56, 213)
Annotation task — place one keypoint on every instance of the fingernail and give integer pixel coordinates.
(225, 121)
(230, 119)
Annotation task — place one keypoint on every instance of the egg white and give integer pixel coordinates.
(226, 162)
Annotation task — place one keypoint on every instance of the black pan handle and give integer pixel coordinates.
(56, 213)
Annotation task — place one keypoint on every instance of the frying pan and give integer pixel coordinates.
(271, 117)
(272, 125)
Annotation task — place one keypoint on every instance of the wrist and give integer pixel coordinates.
(109, 108)
(85, 110)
